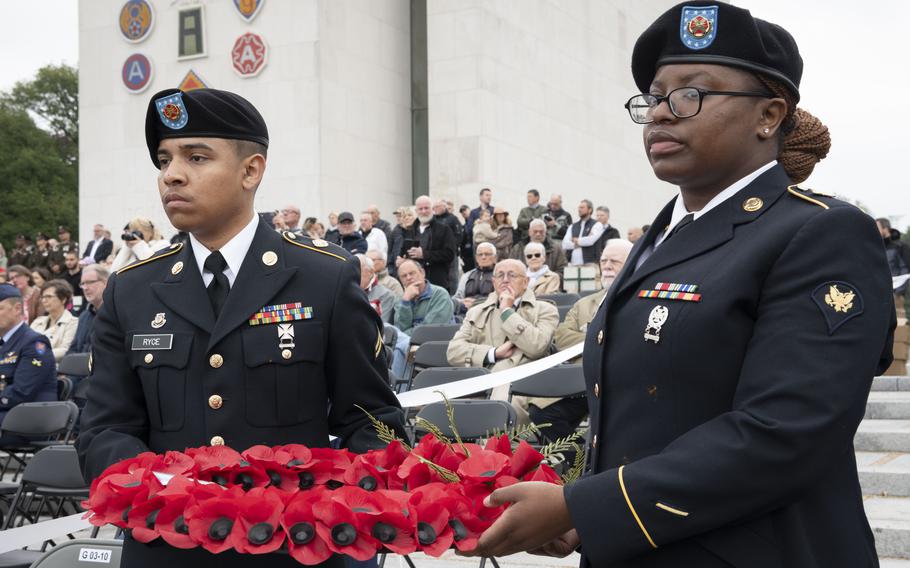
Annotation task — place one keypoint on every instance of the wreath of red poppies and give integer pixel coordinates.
(314, 502)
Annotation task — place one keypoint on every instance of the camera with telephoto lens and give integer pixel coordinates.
(131, 236)
(547, 217)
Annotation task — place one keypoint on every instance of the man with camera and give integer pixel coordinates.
(558, 220)
(140, 241)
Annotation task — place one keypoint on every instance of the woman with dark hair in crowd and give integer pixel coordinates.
(59, 325)
(40, 276)
(728, 368)
(21, 277)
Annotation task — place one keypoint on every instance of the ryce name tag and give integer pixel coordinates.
(151, 342)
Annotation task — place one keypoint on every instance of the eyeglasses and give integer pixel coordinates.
(88, 283)
(684, 102)
(48, 296)
(533, 255)
(507, 276)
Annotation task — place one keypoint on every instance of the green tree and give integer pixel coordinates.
(39, 171)
(53, 96)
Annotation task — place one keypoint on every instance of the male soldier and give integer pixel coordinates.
(64, 244)
(186, 349)
(27, 369)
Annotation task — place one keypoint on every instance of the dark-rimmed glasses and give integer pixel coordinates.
(684, 102)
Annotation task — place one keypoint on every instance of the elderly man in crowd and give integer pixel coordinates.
(375, 237)
(381, 269)
(634, 233)
(429, 242)
(379, 222)
(93, 282)
(347, 236)
(476, 284)
(509, 328)
(566, 414)
(99, 248)
(537, 233)
(382, 300)
(291, 216)
(422, 303)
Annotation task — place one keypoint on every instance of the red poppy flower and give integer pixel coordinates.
(339, 527)
(214, 458)
(431, 505)
(483, 467)
(393, 527)
(318, 466)
(142, 517)
(256, 527)
(299, 523)
(170, 522)
(466, 525)
(543, 473)
(174, 463)
(476, 493)
(524, 460)
(211, 518)
(273, 461)
(501, 444)
(112, 496)
(366, 475)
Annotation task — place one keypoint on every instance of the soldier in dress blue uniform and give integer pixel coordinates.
(241, 336)
(729, 365)
(27, 368)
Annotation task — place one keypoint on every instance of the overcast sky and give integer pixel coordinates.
(852, 68)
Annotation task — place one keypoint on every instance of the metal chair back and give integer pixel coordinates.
(75, 364)
(433, 332)
(473, 418)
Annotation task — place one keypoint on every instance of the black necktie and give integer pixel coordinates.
(219, 287)
(683, 223)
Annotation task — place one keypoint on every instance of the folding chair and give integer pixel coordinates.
(64, 387)
(82, 551)
(437, 376)
(433, 332)
(75, 364)
(474, 419)
(564, 299)
(429, 354)
(563, 310)
(42, 424)
(556, 382)
(80, 392)
(51, 481)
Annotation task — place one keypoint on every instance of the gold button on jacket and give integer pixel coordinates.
(216, 361)
(215, 402)
(217, 441)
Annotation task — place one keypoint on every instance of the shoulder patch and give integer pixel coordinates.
(838, 302)
(301, 242)
(799, 192)
(173, 249)
(40, 347)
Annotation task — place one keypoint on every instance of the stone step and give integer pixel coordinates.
(891, 384)
(894, 563)
(883, 436)
(889, 518)
(894, 405)
(884, 473)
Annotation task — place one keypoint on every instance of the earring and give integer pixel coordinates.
(767, 130)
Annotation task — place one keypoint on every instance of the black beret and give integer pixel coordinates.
(720, 34)
(201, 113)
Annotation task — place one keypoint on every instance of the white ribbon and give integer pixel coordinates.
(11, 539)
(457, 389)
(27, 535)
(898, 281)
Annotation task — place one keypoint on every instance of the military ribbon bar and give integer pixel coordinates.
(667, 295)
(281, 313)
(673, 287)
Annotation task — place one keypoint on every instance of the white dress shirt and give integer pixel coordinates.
(377, 240)
(234, 251)
(680, 211)
(576, 258)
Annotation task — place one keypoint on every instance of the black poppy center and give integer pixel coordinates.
(459, 529)
(274, 478)
(384, 532)
(306, 480)
(221, 528)
(220, 480)
(368, 483)
(180, 525)
(426, 534)
(302, 533)
(344, 534)
(245, 480)
(126, 513)
(151, 518)
(334, 484)
(294, 462)
(260, 533)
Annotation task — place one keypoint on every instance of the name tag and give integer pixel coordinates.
(152, 342)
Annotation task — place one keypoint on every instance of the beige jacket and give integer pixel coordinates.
(60, 335)
(573, 329)
(547, 283)
(530, 328)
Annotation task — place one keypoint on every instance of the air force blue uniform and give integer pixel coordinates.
(27, 368)
(729, 440)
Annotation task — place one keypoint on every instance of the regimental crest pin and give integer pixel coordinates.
(656, 320)
(172, 111)
(698, 26)
(159, 320)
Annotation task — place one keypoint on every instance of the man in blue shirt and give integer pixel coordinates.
(27, 369)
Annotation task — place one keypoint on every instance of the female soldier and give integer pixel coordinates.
(729, 366)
